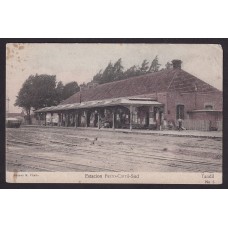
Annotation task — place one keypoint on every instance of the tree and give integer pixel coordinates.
(132, 72)
(113, 72)
(59, 91)
(108, 75)
(98, 77)
(118, 70)
(144, 67)
(168, 65)
(155, 65)
(70, 89)
(44, 90)
(24, 98)
(37, 92)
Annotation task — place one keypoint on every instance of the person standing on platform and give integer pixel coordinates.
(179, 124)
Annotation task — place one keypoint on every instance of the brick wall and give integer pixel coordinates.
(173, 99)
(191, 101)
(162, 98)
(214, 99)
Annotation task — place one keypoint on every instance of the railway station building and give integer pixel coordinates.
(154, 101)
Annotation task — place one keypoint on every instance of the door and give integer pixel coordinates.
(180, 112)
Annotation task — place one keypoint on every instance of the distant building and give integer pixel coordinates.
(19, 116)
(152, 101)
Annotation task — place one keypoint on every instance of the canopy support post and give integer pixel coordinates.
(131, 117)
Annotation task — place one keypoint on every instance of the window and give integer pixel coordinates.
(180, 112)
(209, 107)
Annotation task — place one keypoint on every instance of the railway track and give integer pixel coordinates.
(137, 154)
(67, 164)
(141, 158)
(91, 139)
(125, 153)
(27, 143)
(72, 135)
(29, 167)
(109, 153)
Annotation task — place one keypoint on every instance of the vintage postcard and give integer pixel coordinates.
(114, 113)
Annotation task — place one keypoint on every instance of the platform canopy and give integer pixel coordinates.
(103, 103)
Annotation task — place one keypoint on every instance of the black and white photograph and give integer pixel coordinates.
(113, 114)
(127, 113)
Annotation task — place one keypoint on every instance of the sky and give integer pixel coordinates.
(80, 62)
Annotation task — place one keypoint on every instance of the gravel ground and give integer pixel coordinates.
(84, 150)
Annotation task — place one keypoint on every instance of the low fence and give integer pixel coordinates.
(202, 125)
(219, 125)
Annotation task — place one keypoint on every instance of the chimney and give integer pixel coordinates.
(176, 64)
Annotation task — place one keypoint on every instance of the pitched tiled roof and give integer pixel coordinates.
(184, 82)
(162, 81)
